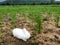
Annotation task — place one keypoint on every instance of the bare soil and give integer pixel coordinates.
(50, 33)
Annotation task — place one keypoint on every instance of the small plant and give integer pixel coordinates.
(38, 19)
(0, 32)
(57, 19)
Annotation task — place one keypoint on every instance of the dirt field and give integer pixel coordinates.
(50, 34)
(10, 18)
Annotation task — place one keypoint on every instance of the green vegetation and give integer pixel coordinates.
(57, 19)
(34, 13)
(36, 18)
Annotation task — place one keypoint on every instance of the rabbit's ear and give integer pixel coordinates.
(24, 28)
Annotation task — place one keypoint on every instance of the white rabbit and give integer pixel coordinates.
(21, 34)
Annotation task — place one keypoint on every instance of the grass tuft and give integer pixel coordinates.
(38, 19)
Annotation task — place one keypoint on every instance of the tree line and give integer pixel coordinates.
(14, 2)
